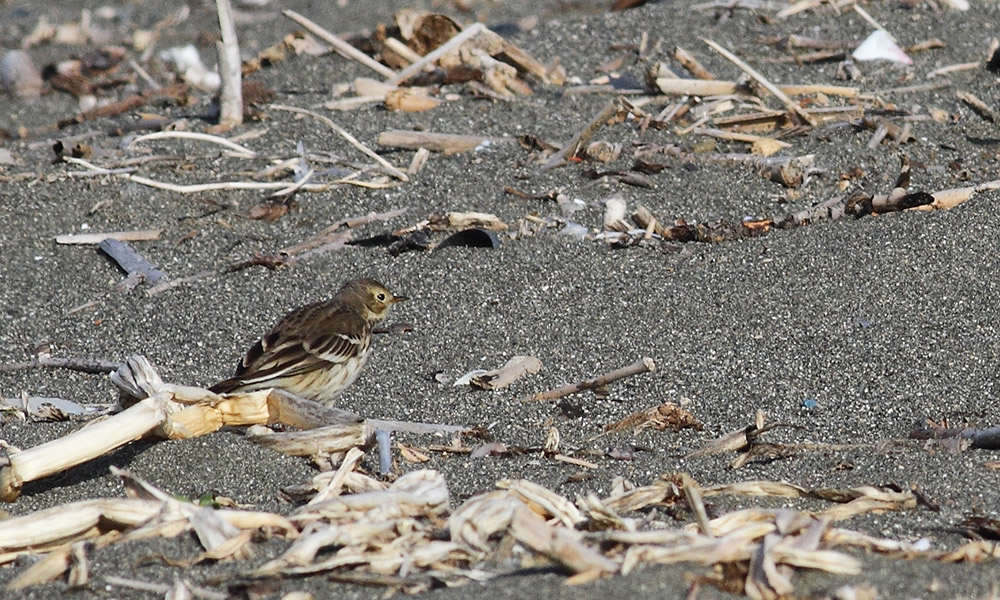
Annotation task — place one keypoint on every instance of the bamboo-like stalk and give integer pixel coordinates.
(83, 445)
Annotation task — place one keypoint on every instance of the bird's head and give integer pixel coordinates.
(376, 298)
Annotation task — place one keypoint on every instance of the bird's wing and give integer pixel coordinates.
(298, 346)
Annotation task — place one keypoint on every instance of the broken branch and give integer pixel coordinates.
(644, 365)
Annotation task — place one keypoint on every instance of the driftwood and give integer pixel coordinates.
(340, 45)
(46, 361)
(97, 238)
(612, 110)
(171, 411)
(858, 204)
(435, 142)
(789, 171)
(711, 87)
(598, 384)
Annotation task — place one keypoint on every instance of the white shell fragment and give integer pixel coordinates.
(19, 76)
(188, 63)
(880, 46)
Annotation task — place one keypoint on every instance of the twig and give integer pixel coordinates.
(569, 149)
(97, 238)
(351, 222)
(788, 102)
(340, 45)
(693, 495)
(736, 136)
(45, 361)
(412, 427)
(297, 185)
(197, 188)
(162, 588)
(871, 20)
(691, 63)
(347, 136)
(981, 108)
(230, 69)
(715, 87)
(330, 238)
(643, 365)
(460, 38)
(953, 69)
(152, 83)
(402, 50)
(435, 142)
(194, 135)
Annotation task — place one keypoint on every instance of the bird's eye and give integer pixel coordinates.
(380, 296)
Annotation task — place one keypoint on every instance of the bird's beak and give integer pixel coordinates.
(396, 299)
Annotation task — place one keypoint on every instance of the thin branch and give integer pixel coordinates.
(788, 102)
(194, 135)
(340, 45)
(347, 136)
(643, 365)
(460, 38)
(45, 361)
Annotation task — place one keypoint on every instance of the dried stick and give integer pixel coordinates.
(788, 102)
(735, 136)
(691, 63)
(693, 495)
(330, 238)
(460, 38)
(194, 135)
(643, 365)
(702, 87)
(569, 149)
(197, 188)
(230, 69)
(340, 45)
(96, 238)
(347, 136)
(435, 142)
(402, 50)
(162, 588)
(981, 108)
(45, 361)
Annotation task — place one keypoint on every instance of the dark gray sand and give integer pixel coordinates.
(884, 321)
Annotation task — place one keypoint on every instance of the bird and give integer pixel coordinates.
(317, 350)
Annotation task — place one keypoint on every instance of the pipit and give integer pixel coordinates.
(317, 350)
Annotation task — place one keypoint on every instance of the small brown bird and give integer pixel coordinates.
(317, 350)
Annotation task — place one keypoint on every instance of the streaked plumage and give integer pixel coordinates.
(316, 351)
